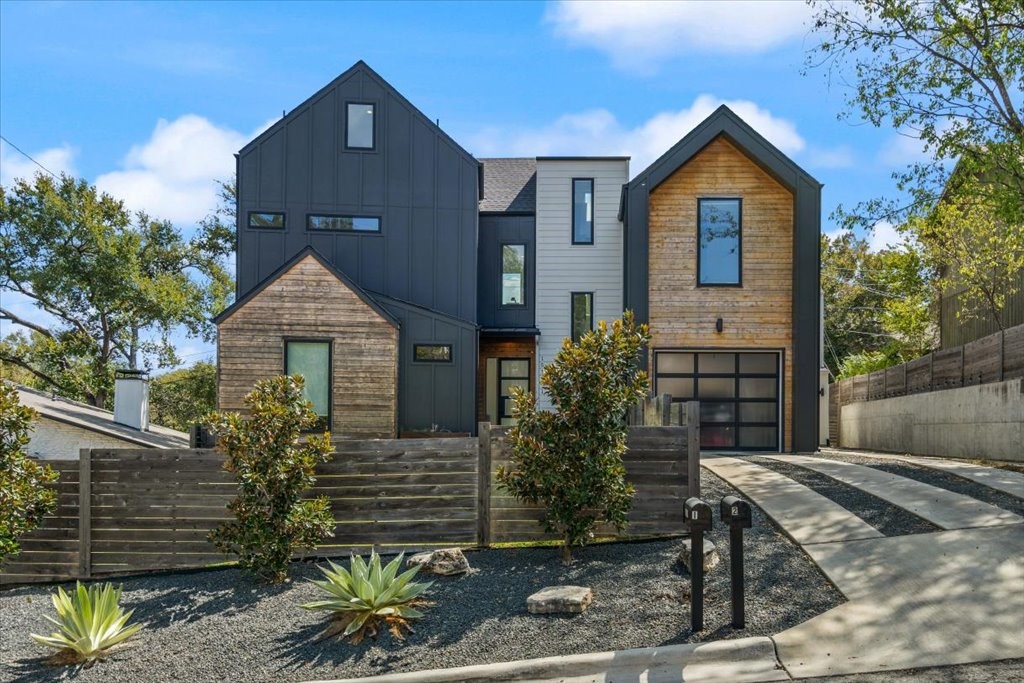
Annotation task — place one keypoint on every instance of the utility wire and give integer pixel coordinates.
(27, 156)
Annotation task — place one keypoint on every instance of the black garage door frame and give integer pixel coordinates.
(736, 374)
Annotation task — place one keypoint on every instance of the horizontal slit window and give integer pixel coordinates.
(269, 220)
(333, 223)
(432, 353)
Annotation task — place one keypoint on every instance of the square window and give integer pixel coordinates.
(312, 360)
(513, 275)
(432, 353)
(719, 238)
(271, 220)
(583, 211)
(582, 314)
(359, 133)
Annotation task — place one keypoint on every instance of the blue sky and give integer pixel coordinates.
(150, 100)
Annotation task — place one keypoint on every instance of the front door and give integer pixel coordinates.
(512, 372)
(739, 394)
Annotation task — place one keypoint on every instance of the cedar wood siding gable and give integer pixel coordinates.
(417, 180)
(802, 391)
(308, 300)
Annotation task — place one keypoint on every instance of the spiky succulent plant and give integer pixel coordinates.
(368, 597)
(91, 621)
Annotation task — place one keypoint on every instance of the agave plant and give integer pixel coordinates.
(90, 621)
(369, 596)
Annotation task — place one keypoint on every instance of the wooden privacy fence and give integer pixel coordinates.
(131, 510)
(994, 358)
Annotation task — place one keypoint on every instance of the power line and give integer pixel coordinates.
(27, 156)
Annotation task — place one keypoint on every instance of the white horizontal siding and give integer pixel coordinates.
(564, 267)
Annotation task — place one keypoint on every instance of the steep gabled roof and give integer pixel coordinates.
(308, 251)
(358, 67)
(510, 185)
(724, 122)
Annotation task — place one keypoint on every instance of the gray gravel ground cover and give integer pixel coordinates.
(890, 519)
(938, 478)
(216, 625)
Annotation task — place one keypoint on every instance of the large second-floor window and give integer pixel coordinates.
(359, 131)
(312, 360)
(583, 211)
(720, 241)
(513, 275)
(582, 314)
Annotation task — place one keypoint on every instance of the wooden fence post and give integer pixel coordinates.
(1002, 353)
(483, 501)
(666, 409)
(84, 513)
(693, 447)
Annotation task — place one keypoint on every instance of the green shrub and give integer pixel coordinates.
(570, 461)
(91, 621)
(25, 497)
(274, 470)
(368, 597)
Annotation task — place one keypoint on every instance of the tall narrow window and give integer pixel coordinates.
(312, 360)
(720, 242)
(359, 132)
(583, 211)
(582, 314)
(513, 275)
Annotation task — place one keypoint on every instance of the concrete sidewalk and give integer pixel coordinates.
(743, 660)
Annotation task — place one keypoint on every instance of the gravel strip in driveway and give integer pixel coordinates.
(890, 519)
(938, 478)
(216, 625)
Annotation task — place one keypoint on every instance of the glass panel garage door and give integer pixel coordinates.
(738, 393)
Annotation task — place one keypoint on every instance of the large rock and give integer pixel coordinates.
(445, 562)
(560, 600)
(711, 558)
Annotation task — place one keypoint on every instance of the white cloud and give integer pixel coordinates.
(14, 164)
(598, 132)
(171, 175)
(902, 149)
(883, 235)
(639, 33)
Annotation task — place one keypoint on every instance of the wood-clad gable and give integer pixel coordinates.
(309, 300)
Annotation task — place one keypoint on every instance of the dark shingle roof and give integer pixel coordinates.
(509, 185)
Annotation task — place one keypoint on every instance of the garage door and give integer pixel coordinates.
(739, 394)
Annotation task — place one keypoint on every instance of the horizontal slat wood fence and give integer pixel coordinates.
(132, 510)
(994, 358)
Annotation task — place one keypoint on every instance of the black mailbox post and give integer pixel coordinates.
(736, 513)
(698, 515)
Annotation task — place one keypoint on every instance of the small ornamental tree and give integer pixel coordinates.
(272, 520)
(570, 460)
(25, 497)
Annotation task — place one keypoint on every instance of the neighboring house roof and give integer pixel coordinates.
(288, 265)
(510, 184)
(98, 420)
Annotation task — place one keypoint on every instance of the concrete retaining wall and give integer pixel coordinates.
(982, 421)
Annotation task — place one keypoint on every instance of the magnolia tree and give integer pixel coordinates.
(569, 460)
(25, 496)
(274, 470)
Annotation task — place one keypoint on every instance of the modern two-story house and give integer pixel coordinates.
(414, 285)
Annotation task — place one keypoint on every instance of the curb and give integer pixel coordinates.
(726, 661)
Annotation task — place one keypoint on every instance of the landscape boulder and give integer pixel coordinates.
(711, 558)
(560, 600)
(445, 562)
